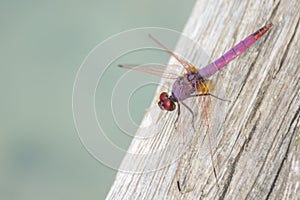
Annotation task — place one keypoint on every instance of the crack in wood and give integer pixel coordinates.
(287, 49)
(229, 177)
(295, 118)
(260, 170)
(274, 11)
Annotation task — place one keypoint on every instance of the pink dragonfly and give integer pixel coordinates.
(194, 82)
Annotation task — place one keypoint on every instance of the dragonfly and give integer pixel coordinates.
(194, 82)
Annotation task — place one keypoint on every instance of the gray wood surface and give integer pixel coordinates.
(256, 135)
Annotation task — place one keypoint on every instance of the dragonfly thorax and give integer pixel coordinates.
(189, 84)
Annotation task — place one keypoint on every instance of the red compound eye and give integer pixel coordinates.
(161, 105)
(165, 102)
(163, 96)
(167, 105)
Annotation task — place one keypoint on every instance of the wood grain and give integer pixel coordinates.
(257, 133)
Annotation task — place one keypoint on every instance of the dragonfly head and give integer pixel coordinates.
(166, 102)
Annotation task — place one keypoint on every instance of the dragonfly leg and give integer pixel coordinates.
(209, 94)
(208, 134)
(186, 191)
(178, 113)
(193, 116)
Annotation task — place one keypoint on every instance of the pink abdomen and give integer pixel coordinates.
(230, 55)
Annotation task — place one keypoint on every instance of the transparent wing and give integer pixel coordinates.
(183, 62)
(158, 69)
(154, 69)
(202, 140)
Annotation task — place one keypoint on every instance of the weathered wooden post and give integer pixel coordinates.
(258, 150)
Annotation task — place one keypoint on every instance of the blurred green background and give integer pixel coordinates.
(42, 45)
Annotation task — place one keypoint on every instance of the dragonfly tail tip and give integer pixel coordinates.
(269, 25)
